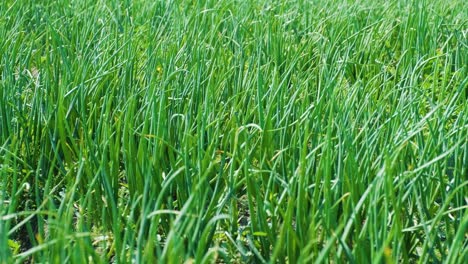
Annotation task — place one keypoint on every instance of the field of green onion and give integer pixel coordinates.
(229, 131)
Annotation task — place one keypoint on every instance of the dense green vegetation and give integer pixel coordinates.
(233, 131)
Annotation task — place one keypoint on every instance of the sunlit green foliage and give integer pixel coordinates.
(233, 131)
